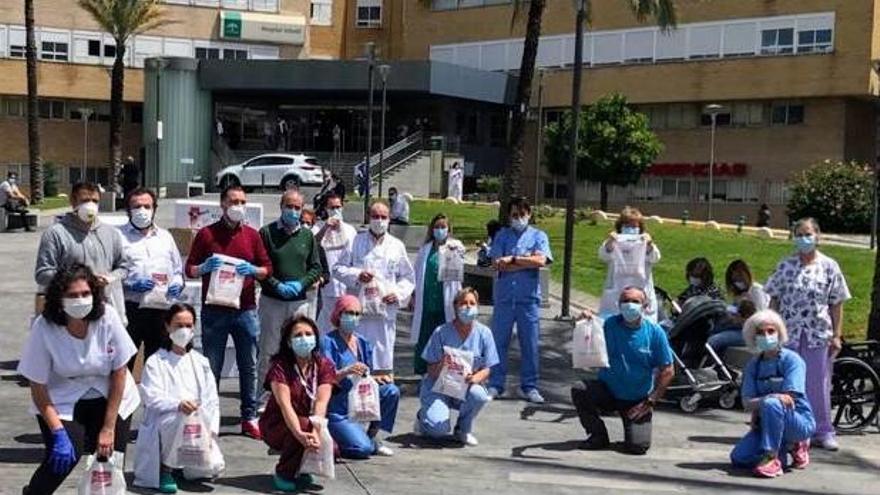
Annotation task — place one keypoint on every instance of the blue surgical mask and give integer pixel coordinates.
(631, 311)
(440, 234)
(302, 345)
(519, 224)
(805, 243)
(766, 343)
(348, 323)
(630, 230)
(467, 314)
(290, 217)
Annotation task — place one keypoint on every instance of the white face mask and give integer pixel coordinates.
(87, 212)
(378, 226)
(235, 213)
(77, 307)
(142, 217)
(182, 336)
(334, 213)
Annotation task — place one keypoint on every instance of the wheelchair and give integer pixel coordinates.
(855, 387)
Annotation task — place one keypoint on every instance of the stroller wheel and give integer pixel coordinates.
(689, 403)
(728, 399)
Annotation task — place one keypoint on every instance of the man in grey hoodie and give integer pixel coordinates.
(81, 238)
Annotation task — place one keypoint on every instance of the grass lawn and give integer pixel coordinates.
(53, 203)
(677, 245)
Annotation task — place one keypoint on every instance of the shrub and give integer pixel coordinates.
(544, 211)
(489, 184)
(50, 180)
(837, 194)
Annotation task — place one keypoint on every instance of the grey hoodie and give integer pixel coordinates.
(99, 247)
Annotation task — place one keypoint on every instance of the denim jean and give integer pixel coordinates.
(724, 339)
(244, 326)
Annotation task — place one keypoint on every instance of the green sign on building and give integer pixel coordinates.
(231, 27)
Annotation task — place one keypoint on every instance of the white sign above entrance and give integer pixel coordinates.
(288, 30)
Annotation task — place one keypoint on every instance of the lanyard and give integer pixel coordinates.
(309, 382)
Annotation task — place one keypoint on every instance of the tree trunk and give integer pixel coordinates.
(874, 316)
(33, 109)
(603, 196)
(511, 186)
(117, 85)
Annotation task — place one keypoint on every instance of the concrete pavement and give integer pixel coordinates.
(523, 449)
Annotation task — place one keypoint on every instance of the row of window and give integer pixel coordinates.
(464, 4)
(255, 5)
(770, 36)
(55, 109)
(100, 48)
(737, 114)
(681, 190)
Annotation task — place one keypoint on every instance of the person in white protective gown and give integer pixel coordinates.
(377, 256)
(176, 382)
(335, 238)
(456, 181)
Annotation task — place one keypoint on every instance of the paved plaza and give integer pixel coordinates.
(523, 449)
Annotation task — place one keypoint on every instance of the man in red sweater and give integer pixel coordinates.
(231, 237)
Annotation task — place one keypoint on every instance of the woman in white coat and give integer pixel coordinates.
(630, 225)
(176, 382)
(435, 290)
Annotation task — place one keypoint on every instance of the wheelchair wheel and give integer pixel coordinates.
(855, 394)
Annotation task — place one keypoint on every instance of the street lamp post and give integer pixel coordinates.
(384, 70)
(84, 114)
(713, 110)
(572, 162)
(371, 63)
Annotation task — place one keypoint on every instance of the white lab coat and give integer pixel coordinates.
(450, 288)
(456, 178)
(388, 260)
(161, 398)
(333, 289)
(611, 294)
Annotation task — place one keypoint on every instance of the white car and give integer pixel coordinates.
(273, 170)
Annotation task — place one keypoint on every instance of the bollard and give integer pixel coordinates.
(685, 215)
(262, 183)
(740, 222)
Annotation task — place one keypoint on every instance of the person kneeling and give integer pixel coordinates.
(637, 350)
(464, 333)
(301, 381)
(351, 354)
(179, 391)
(774, 390)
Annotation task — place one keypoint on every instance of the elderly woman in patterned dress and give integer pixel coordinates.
(808, 290)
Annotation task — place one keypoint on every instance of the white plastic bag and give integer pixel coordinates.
(588, 348)
(371, 296)
(102, 477)
(457, 365)
(451, 264)
(157, 297)
(363, 400)
(334, 237)
(629, 259)
(320, 462)
(191, 447)
(224, 288)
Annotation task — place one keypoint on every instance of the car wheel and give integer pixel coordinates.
(290, 182)
(228, 180)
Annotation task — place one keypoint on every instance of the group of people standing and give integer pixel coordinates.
(325, 318)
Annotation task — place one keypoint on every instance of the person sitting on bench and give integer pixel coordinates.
(13, 201)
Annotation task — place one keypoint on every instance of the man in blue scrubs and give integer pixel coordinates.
(639, 370)
(518, 252)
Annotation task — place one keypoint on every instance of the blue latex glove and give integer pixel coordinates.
(246, 269)
(174, 290)
(142, 285)
(284, 291)
(293, 288)
(62, 457)
(210, 265)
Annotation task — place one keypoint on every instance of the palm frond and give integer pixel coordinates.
(125, 18)
(660, 11)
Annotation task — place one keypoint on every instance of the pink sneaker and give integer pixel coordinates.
(800, 455)
(770, 468)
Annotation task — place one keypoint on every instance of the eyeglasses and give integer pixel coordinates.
(352, 313)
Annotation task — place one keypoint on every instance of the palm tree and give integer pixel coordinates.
(33, 123)
(122, 19)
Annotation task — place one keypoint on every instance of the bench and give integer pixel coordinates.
(412, 236)
(483, 278)
(14, 221)
(184, 189)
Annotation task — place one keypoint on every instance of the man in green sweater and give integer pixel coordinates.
(296, 267)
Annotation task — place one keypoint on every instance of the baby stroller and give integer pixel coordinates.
(701, 374)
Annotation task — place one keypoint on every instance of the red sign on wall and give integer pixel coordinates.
(698, 169)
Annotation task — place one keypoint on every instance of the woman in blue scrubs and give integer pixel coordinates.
(350, 353)
(774, 391)
(464, 333)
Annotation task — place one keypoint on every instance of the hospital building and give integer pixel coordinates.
(797, 81)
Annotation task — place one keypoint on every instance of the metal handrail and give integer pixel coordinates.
(395, 148)
(397, 164)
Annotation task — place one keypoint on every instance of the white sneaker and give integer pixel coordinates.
(383, 450)
(828, 443)
(493, 392)
(468, 439)
(532, 395)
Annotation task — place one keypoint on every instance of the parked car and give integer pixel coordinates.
(273, 170)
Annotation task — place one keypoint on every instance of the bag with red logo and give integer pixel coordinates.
(191, 447)
(157, 297)
(225, 286)
(588, 348)
(102, 477)
(371, 296)
(363, 400)
(458, 364)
